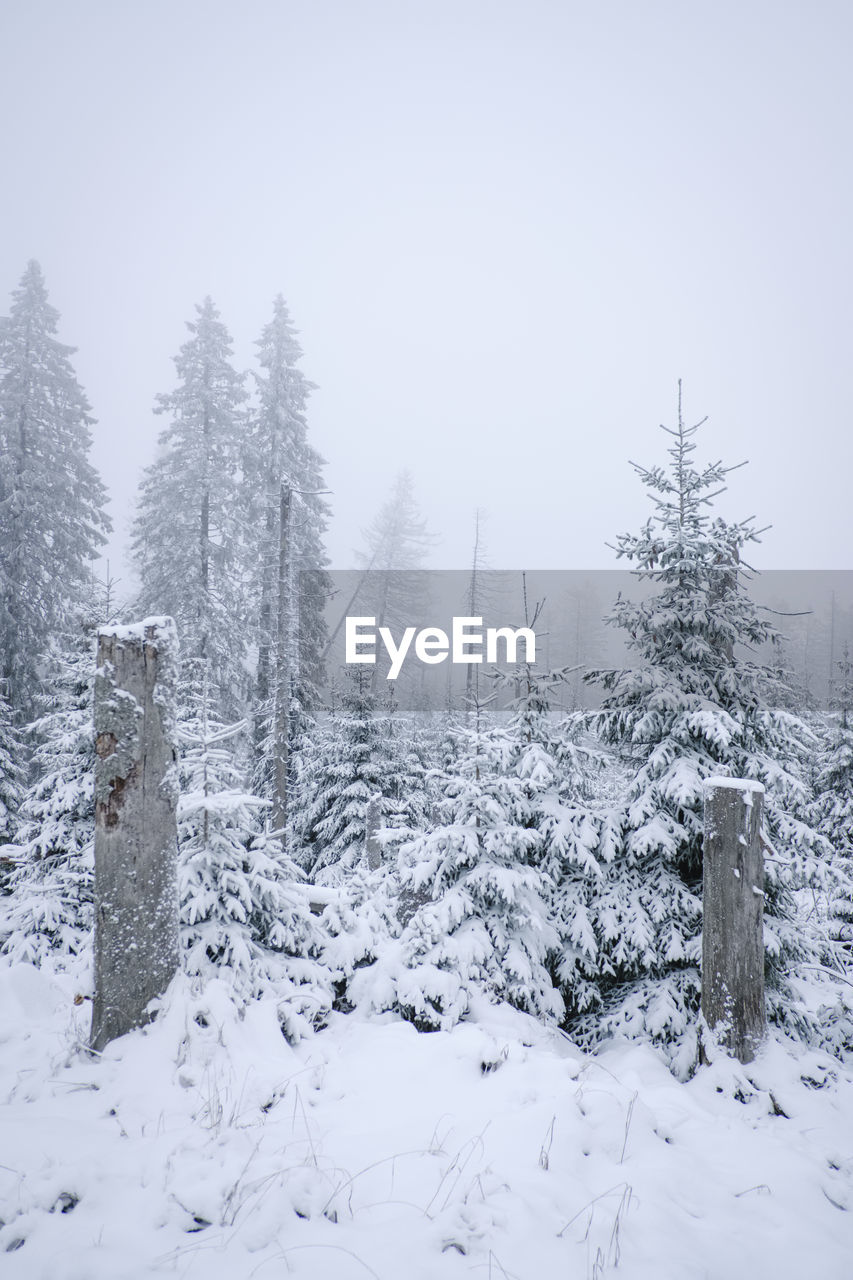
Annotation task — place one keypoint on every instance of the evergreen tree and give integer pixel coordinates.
(481, 926)
(393, 586)
(494, 895)
(52, 518)
(277, 455)
(364, 758)
(694, 706)
(554, 769)
(49, 914)
(397, 539)
(11, 791)
(188, 530)
(245, 916)
(832, 810)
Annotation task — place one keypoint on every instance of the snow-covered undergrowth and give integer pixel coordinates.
(207, 1146)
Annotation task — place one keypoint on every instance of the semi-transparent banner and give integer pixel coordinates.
(429, 639)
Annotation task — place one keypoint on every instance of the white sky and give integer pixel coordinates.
(503, 229)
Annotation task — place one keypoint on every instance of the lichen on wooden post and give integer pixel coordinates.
(136, 896)
(733, 916)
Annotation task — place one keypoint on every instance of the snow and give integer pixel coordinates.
(136, 630)
(496, 1148)
(735, 784)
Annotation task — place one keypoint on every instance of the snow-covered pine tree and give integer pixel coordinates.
(494, 895)
(832, 810)
(277, 453)
(396, 543)
(555, 770)
(52, 517)
(362, 757)
(694, 706)
(49, 915)
(482, 926)
(244, 911)
(188, 529)
(397, 538)
(11, 794)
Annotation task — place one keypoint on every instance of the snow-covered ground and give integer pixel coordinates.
(207, 1147)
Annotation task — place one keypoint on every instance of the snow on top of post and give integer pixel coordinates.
(165, 625)
(735, 784)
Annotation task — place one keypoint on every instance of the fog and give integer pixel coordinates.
(504, 231)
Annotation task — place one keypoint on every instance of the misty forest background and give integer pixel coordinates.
(533, 837)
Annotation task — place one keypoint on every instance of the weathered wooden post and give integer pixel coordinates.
(284, 668)
(733, 910)
(136, 897)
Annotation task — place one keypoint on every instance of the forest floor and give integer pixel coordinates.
(206, 1146)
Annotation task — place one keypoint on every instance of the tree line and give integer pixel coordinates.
(335, 853)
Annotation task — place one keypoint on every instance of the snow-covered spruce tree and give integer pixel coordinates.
(467, 909)
(244, 911)
(52, 518)
(695, 705)
(50, 912)
(393, 588)
(482, 925)
(556, 770)
(276, 454)
(188, 529)
(11, 796)
(832, 809)
(397, 538)
(362, 757)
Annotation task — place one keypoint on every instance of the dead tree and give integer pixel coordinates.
(733, 914)
(284, 667)
(136, 896)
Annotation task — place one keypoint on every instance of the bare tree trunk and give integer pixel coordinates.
(472, 682)
(380, 622)
(265, 621)
(136, 897)
(284, 659)
(733, 915)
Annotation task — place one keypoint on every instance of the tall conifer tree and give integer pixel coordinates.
(188, 531)
(52, 518)
(278, 455)
(694, 705)
(50, 911)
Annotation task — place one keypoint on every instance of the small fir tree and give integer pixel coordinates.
(50, 914)
(555, 770)
(245, 915)
(692, 707)
(482, 926)
(364, 762)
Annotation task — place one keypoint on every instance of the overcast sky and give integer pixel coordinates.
(504, 230)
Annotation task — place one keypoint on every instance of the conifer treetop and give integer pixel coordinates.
(52, 501)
